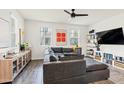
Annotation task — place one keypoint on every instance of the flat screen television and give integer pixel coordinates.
(113, 36)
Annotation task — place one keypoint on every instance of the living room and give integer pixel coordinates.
(35, 41)
(61, 46)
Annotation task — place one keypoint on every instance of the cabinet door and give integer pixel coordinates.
(6, 71)
(1, 71)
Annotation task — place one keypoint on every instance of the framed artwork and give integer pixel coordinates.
(61, 37)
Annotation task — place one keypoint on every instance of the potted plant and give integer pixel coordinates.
(23, 46)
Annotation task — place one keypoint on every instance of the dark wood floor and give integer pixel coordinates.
(32, 74)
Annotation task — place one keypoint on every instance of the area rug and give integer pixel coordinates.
(103, 82)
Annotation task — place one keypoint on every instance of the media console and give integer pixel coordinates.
(110, 59)
(12, 65)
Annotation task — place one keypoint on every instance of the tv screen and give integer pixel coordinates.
(113, 36)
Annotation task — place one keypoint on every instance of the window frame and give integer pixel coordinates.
(74, 37)
(15, 32)
(45, 36)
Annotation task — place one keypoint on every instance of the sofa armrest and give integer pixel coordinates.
(54, 71)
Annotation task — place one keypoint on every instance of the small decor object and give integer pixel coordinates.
(61, 37)
(24, 46)
(75, 45)
(97, 46)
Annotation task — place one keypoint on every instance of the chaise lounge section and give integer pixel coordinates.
(74, 72)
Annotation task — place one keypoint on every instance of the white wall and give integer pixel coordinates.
(6, 14)
(111, 23)
(32, 35)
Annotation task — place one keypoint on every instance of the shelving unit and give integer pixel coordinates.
(24, 59)
(98, 56)
(91, 37)
(12, 65)
(119, 62)
(110, 59)
(15, 68)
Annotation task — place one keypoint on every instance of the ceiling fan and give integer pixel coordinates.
(73, 14)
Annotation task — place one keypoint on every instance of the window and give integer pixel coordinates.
(74, 37)
(14, 31)
(5, 34)
(45, 36)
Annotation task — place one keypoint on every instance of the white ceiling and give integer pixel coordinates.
(59, 16)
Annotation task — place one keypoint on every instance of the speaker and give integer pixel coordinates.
(92, 31)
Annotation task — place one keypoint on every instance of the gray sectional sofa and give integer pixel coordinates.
(74, 72)
(62, 54)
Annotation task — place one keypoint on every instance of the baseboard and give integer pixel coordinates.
(37, 59)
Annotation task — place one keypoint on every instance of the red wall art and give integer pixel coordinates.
(61, 37)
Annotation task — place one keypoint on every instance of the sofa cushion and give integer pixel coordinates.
(63, 70)
(57, 49)
(71, 58)
(92, 65)
(68, 50)
(53, 58)
(70, 54)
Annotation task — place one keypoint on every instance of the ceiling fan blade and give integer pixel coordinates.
(67, 12)
(81, 14)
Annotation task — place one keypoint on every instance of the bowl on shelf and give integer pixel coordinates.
(9, 57)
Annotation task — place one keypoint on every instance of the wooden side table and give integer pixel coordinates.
(78, 51)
